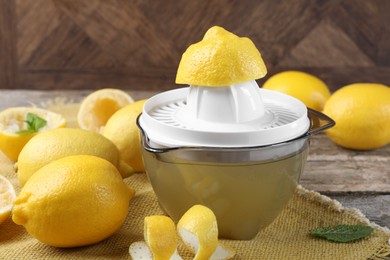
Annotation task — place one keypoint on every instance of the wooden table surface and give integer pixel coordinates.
(359, 179)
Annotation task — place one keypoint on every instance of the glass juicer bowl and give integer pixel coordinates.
(244, 166)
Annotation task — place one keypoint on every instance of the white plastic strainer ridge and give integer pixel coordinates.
(241, 115)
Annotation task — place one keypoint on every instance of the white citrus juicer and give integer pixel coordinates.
(241, 115)
(237, 149)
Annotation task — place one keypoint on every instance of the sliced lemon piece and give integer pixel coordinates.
(13, 120)
(7, 196)
(160, 237)
(99, 106)
(199, 231)
(220, 59)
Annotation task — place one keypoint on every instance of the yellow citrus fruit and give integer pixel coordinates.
(13, 120)
(160, 240)
(74, 201)
(58, 143)
(362, 115)
(220, 59)
(198, 229)
(99, 106)
(7, 196)
(122, 130)
(309, 89)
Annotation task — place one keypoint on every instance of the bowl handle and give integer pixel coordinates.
(318, 122)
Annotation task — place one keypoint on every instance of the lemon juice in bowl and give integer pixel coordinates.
(223, 142)
(245, 196)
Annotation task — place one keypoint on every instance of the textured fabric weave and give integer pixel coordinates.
(286, 238)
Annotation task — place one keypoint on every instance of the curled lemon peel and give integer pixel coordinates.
(160, 240)
(199, 231)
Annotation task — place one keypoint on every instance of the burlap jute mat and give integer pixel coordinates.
(286, 238)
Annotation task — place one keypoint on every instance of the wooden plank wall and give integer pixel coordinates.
(133, 44)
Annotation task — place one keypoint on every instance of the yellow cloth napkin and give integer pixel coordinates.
(286, 238)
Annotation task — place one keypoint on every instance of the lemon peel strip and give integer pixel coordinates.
(199, 231)
(140, 251)
(222, 252)
(160, 240)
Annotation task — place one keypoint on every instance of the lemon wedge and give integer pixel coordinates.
(199, 231)
(7, 196)
(220, 59)
(160, 240)
(16, 128)
(99, 106)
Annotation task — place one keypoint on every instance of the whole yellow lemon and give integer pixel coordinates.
(362, 115)
(309, 89)
(58, 143)
(74, 201)
(122, 130)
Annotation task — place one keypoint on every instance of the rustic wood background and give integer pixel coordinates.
(90, 44)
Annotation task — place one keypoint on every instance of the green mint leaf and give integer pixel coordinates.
(34, 123)
(342, 233)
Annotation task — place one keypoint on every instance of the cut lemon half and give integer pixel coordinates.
(99, 106)
(7, 196)
(13, 126)
(220, 59)
(199, 231)
(160, 240)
